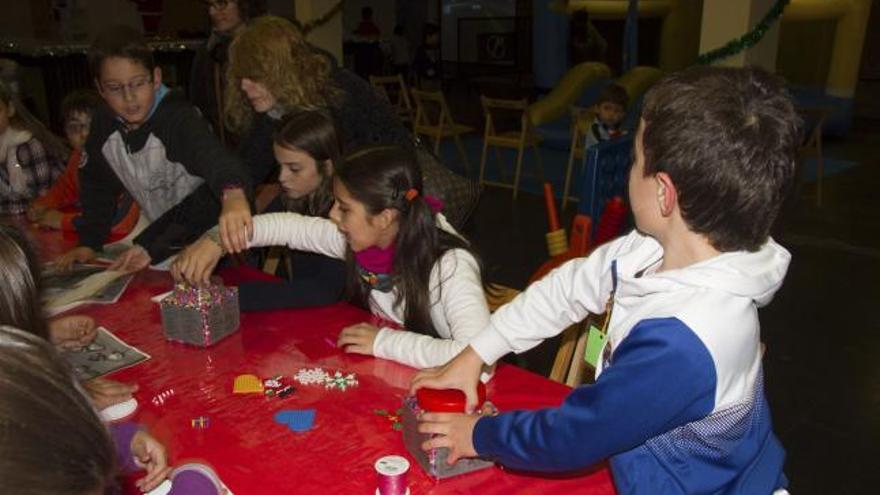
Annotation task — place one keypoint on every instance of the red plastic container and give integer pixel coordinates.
(447, 400)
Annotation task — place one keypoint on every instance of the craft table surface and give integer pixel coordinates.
(253, 454)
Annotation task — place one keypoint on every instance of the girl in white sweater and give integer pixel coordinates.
(405, 262)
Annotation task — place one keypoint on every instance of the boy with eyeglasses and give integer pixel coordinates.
(57, 208)
(152, 143)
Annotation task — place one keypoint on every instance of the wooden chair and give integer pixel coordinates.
(581, 119)
(394, 90)
(433, 119)
(516, 139)
(815, 119)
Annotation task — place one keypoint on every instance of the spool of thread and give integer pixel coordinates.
(391, 472)
(556, 242)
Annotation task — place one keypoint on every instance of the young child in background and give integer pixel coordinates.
(426, 64)
(155, 145)
(52, 441)
(306, 149)
(678, 403)
(405, 262)
(31, 158)
(609, 111)
(77, 110)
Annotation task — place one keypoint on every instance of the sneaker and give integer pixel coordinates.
(197, 479)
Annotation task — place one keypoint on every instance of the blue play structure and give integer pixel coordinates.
(605, 174)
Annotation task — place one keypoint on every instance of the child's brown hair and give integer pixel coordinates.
(121, 42)
(20, 300)
(313, 132)
(613, 93)
(728, 139)
(51, 440)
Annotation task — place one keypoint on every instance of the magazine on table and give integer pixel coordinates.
(82, 284)
(104, 355)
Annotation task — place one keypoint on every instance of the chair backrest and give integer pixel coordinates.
(432, 112)
(605, 175)
(495, 107)
(394, 90)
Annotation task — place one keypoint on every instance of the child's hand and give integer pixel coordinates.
(151, 454)
(134, 259)
(79, 254)
(358, 338)
(236, 224)
(105, 393)
(195, 263)
(454, 431)
(72, 332)
(461, 373)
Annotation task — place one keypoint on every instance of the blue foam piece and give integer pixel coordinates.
(298, 420)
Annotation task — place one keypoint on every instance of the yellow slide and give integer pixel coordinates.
(556, 103)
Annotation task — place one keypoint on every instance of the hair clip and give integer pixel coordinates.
(411, 194)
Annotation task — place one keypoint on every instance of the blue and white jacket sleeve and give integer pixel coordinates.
(661, 376)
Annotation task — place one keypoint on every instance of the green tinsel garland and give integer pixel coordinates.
(747, 40)
(320, 21)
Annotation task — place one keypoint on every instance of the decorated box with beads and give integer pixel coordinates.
(200, 316)
(434, 461)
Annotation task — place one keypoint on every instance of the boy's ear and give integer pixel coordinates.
(667, 194)
(328, 168)
(157, 77)
(98, 87)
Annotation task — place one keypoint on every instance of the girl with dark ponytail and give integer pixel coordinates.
(405, 262)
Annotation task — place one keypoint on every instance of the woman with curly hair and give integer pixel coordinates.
(273, 70)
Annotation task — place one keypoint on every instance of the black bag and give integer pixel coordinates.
(459, 194)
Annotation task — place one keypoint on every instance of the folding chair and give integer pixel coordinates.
(516, 139)
(434, 119)
(394, 89)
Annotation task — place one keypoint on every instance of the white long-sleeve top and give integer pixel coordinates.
(458, 311)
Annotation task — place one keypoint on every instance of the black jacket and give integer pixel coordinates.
(172, 165)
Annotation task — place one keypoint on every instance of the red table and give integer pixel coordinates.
(252, 453)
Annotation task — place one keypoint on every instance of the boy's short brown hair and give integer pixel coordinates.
(613, 93)
(122, 42)
(79, 101)
(728, 139)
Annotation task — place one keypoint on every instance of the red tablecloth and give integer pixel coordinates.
(252, 453)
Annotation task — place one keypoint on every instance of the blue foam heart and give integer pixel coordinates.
(298, 420)
(301, 420)
(282, 417)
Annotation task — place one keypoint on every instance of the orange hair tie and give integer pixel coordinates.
(411, 194)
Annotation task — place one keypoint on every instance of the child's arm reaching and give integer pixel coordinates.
(563, 297)
(195, 264)
(662, 377)
(463, 305)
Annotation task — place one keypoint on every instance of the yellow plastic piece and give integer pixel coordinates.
(556, 103)
(638, 80)
(557, 243)
(247, 384)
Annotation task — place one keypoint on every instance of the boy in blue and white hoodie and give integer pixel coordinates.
(678, 403)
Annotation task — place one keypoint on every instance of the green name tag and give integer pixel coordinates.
(595, 343)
